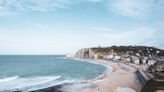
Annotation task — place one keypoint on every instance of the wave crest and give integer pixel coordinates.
(8, 79)
(16, 82)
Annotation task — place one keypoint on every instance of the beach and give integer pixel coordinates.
(122, 79)
(76, 75)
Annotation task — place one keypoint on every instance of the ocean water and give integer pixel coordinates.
(29, 73)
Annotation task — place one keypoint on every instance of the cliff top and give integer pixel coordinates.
(143, 50)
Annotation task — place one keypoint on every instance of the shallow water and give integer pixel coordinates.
(35, 72)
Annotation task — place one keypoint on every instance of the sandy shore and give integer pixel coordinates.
(122, 79)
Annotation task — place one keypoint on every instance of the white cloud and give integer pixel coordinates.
(102, 29)
(134, 33)
(46, 5)
(158, 36)
(133, 37)
(132, 8)
(136, 8)
(8, 7)
(94, 0)
(2, 11)
(106, 36)
(153, 43)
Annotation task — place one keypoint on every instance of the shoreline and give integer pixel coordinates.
(123, 78)
(83, 83)
(92, 61)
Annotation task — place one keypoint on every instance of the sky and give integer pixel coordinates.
(64, 26)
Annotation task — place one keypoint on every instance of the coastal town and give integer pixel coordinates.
(148, 61)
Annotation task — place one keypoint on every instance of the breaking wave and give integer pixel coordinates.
(8, 79)
(20, 83)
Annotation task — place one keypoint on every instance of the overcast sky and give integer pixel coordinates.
(64, 26)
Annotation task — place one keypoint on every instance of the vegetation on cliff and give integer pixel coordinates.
(142, 50)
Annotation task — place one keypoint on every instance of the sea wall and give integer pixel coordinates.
(142, 77)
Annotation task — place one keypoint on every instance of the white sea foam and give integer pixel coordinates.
(35, 83)
(8, 79)
(20, 83)
(53, 84)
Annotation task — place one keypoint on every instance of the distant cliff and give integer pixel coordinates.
(99, 52)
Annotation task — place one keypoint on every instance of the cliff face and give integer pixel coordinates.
(119, 50)
(85, 53)
(82, 53)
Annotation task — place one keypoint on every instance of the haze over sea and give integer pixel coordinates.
(29, 72)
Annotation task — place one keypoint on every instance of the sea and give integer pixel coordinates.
(33, 72)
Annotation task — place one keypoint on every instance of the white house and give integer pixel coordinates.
(117, 57)
(151, 62)
(109, 57)
(127, 59)
(137, 61)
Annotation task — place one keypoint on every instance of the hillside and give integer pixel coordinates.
(142, 50)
